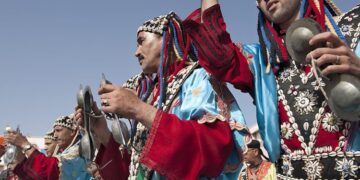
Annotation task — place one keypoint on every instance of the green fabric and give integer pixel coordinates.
(141, 173)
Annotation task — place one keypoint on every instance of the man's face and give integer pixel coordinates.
(280, 11)
(63, 136)
(49, 146)
(250, 155)
(148, 51)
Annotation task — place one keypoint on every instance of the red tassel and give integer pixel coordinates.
(319, 15)
(279, 41)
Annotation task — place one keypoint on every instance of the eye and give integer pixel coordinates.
(140, 40)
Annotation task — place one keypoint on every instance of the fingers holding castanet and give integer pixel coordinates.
(78, 116)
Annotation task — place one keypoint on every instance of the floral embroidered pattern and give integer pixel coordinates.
(331, 123)
(287, 167)
(305, 77)
(346, 167)
(287, 75)
(347, 29)
(351, 16)
(293, 90)
(305, 102)
(318, 83)
(313, 169)
(286, 130)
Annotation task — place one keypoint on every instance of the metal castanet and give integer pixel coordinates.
(297, 39)
(87, 142)
(342, 91)
(119, 128)
(120, 132)
(10, 151)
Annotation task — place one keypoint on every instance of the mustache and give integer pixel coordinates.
(140, 57)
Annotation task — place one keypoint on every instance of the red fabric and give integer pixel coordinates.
(186, 149)
(118, 168)
(38, 167)
(284, 118)
(217, 53)
(325, 138)
(307, 69)
(293, 143)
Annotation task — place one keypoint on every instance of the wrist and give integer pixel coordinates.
(145, 114)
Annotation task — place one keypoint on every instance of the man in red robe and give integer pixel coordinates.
(49, 143)
(37, 166)
(188, 125)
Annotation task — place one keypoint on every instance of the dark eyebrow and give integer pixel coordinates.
(140, 39)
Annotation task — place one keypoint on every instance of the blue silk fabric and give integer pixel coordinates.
(72, 166)
(266, 102)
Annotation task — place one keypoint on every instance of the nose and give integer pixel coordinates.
(137, 52)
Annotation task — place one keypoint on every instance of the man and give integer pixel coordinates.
(49, 143)
(190, 126)
(257, 168)
(65, 165)
(286, 95)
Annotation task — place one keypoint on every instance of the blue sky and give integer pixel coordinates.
(48, 48)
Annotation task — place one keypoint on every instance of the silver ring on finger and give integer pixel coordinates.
(106, 102)
(337, 62)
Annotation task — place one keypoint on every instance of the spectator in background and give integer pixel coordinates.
(257, 165)
(49, 143)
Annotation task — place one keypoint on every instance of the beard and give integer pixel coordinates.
(284, 13)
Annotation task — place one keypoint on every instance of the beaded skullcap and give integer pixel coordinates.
(66, 121)
(156, 25)
(50, 135)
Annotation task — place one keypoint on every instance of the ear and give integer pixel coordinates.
(73, 132)
(257, 152)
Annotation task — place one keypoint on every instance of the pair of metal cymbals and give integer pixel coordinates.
(342, 90)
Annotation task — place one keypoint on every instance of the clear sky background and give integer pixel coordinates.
(48, 48)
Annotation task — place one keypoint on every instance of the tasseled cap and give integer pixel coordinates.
(156, 25)
(50, 135)
(66, 121)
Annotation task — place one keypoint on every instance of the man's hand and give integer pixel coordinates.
(125, 103)
(16, 139)
(206, 4)
(337, 57)
(98, 122)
